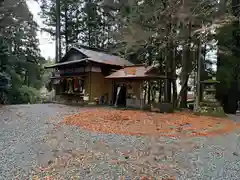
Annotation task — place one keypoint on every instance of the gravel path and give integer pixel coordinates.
(30, 137)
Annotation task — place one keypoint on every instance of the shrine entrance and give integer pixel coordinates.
(120, 95)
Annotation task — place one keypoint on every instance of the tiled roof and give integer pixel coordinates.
(66, 63)
(133, 72)
(95, 56)
(102, 57)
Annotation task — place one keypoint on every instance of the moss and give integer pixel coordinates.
(210, 81)
(211, 111)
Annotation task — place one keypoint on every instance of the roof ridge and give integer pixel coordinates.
(102, 57)
(137, 65)
(98, 50)
(93, 48)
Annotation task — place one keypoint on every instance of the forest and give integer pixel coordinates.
(172, 33)
(21, 64)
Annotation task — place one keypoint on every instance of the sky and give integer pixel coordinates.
(47, 45)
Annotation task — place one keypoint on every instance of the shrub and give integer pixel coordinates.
(23, 95)
(29, 94)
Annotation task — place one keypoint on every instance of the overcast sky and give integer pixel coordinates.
(47, 45)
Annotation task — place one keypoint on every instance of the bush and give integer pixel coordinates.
(29, 94)
(23, 95)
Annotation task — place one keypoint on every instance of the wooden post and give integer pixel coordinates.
(90, 83)
(112, 94)
(149, 92)
(141, 95)
(117, 96)
(197, 100)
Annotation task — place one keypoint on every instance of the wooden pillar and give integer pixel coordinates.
(198, 90)
(113, 92)
(141, 95)
(160, 90)
(149, 92)
(90, 83)
(117, 96)
(167, 95)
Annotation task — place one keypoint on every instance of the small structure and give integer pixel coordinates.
(208, 102)
(80, 75)
(130, 80)
(208, 95)
(87, 75)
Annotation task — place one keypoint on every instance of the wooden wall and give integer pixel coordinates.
(136, 101)
(136, 86)
(96, 86)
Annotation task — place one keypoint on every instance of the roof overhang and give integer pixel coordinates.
(93, 55)
(79, 61)
(136, 72)
(66, 63)
(137, 77)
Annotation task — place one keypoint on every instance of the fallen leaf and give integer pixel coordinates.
(131, 122)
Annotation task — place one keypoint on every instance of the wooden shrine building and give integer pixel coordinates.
(87, 75)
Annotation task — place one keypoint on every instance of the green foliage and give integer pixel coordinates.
(20, 59)
(47, 75)
(228, 62)
(29, 94)
(24, 95)
(211, 111)
(210, 81)
(228, 66)
(82, 22)
(164, 32)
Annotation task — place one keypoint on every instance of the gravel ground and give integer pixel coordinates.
(30, 137)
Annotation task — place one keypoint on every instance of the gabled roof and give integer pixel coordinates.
(95, 55)
(137, 71)
(65, 63)
(102, 57)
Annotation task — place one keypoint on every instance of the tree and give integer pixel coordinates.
(82, 22)
(165, 32)
(21, 62)
(167, 28)
(228, 63)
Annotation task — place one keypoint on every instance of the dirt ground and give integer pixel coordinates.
(35, 143)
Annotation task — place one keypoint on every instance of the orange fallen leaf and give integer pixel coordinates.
(130, 122)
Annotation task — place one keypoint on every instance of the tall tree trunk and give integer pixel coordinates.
(149, 93)
(222, 8)
(168, 67)
(145, 94)
(186, 70)
(233, 90)
(184, 81)
(174, 93)
(58, 36)
(202, 76)
(199, 64)
(90, 36)
(66, 25)
(26, 78)
(167, 83)
(182, 101)
(174, 84)
(160, 91)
